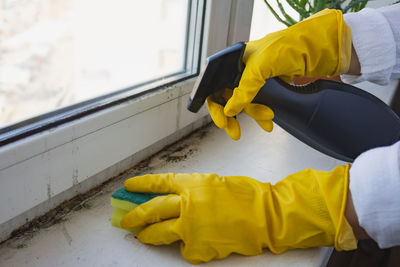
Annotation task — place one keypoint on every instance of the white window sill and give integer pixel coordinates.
(86, 237)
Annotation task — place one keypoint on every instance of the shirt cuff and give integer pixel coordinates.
(375, 189)
(375, 46)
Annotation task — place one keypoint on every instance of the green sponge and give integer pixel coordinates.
(124, 201)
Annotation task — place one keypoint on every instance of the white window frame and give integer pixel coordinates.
(42, 170)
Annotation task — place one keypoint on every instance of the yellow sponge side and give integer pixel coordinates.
(123, 204)
(122, 207)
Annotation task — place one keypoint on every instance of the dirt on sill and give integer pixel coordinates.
(174, 153)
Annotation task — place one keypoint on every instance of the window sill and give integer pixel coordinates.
(86, 237)
(50, 167)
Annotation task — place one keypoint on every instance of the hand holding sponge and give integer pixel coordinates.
(123, 202)
(213, 216)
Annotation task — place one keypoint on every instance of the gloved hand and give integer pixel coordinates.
(215, 216)
(263, 115)
(317, 46)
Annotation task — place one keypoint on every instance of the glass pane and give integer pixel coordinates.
(59, 52)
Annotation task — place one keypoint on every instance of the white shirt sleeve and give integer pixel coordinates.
(375, 189)
(375, 174)
(376, 39)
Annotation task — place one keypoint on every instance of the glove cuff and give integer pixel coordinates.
(345, 239)
(306, 209)
(338, 35)
(345, 44)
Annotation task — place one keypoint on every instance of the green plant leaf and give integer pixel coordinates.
(276, 15)
(288, 18)
(303, 3)
(319, 5)
(353, 5)
(335, 4)
(296, 6)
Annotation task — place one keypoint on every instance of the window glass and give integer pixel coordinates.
(54, 53)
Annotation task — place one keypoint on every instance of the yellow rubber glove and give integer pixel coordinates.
(317, 46)
(215, 216)
(263, 115)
